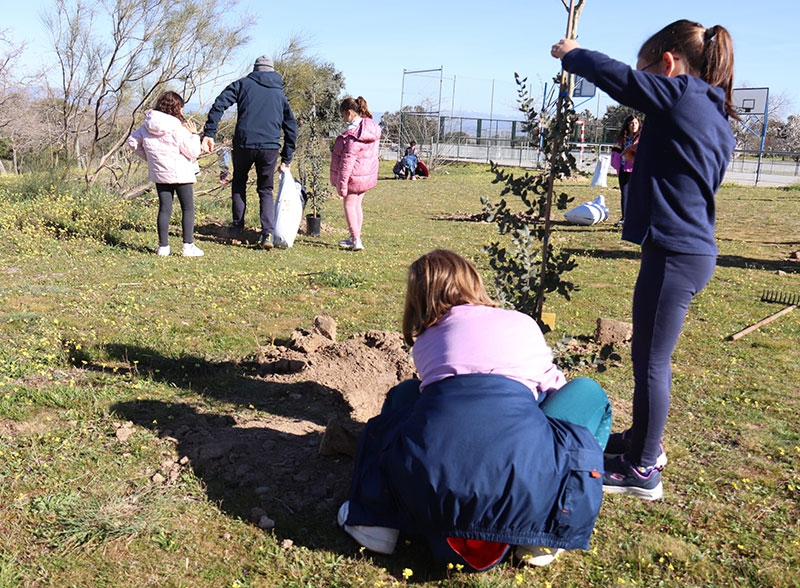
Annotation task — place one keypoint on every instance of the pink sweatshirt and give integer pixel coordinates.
(473, 339)
(169, 148)
(355, 158)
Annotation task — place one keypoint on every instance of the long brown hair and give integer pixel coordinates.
(171, 103)
(708, 53)
(437, 282)
(357, 105)
(625, 131)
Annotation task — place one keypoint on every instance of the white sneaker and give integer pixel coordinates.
(377, 539)
(163, 251)
(346, 243)
(357, 245)
(192, 250)
(536, 555)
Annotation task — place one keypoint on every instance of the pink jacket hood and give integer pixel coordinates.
(169, 148)
(355, 159)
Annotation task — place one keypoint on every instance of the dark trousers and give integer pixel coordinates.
(166, 193)
(623, 177)
(265, 161)
(666, 284)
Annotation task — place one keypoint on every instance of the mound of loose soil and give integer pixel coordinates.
(362, 369)
(272, 456)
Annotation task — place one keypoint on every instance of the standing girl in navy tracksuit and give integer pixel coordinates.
(683, 84)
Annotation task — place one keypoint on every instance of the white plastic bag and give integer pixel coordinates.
(588, 213)
(288, 210)
(601, 171)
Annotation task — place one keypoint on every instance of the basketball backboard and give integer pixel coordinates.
(583, 88)
(751, 101)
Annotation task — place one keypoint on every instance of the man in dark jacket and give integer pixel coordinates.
(263, 113)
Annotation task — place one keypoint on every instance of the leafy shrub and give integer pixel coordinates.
(521, 277)
(51, 205)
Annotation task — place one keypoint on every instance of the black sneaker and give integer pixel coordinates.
(622, 477)
(265, 242)
(619, 443)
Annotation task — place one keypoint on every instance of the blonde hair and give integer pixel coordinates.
(437, 282)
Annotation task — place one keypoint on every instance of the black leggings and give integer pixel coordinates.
(666, 284)
(624, 177)
(166, 193)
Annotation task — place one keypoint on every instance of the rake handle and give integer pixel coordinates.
(761, 323)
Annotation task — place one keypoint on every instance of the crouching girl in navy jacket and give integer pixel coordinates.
(491, 447)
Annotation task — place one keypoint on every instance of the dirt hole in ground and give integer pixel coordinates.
(269, 458)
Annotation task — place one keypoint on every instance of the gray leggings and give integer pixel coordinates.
(166, 193)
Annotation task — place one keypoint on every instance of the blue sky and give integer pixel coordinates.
(479, 45)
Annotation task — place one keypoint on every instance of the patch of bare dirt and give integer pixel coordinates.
(610, 331)
(470, 217)
(273, 454)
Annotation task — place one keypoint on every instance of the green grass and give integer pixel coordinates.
(91, 319)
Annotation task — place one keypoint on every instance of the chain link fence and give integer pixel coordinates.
(443, 139)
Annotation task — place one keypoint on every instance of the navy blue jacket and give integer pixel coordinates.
(263, 113)
(476, 458)
(684, 148)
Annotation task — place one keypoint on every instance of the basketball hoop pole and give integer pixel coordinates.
(763, 139)
(753, 107)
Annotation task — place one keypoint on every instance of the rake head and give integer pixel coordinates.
(780, 297)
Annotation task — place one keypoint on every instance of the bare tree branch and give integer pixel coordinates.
(116, 56)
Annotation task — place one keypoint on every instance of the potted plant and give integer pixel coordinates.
(312, 172)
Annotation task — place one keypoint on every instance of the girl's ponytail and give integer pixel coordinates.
(718, 63)
(362, 107)
(708, 52)
(357, 105)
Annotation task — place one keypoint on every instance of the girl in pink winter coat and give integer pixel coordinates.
(354, 164)
(170, 146)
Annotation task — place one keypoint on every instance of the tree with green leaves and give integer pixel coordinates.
(517, 260)
(314, 89)
(309, 80)
(530, 268)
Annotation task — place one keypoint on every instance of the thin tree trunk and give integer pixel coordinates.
(574, 9)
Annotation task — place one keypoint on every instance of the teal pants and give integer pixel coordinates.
(581, 401)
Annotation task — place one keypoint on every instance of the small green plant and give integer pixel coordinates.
(313, 161)
(530, 266)
(337, 278)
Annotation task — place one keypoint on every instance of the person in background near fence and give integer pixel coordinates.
(354, 164)
(622, 155)
(170, 145)
(410, 160)
(683, 85)
(263, 113)
(430, 464)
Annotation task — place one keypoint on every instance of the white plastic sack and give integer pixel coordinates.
(601, 171)
(288, 210)
(588, 213)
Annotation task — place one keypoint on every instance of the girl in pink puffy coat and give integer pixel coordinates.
(354, 164)
(170, 146)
